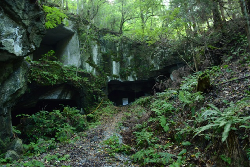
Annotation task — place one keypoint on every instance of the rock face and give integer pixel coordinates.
(21, 28)
(21, 31)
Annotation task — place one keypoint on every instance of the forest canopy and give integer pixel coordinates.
(155, 19)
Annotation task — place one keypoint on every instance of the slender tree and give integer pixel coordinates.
(245, 8)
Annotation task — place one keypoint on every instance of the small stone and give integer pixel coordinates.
(11, 154)
(17, 146)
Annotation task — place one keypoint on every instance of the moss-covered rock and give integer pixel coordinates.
(17, 146)
(11, 154)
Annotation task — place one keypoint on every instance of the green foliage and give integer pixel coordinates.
(161, 107)
(143, 101)
(54, 16)
(57, 157)
(226, 159)
(145, 138)
(65, 133)
(61, 125)
(32, 163)
(3, 160)
(189, 98)
(40, 146)
(116, 147)
(50, 56)
(186, 143)
(103, 113)
(47, 71)
(151, 156)
(111, 37)
(163, 123)
(226, 120)
(190, 82)
(248, 153)
(15, 130)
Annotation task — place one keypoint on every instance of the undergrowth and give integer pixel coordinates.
(181, 123)
(57, 124)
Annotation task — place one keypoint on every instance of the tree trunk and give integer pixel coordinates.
(122, 19)
(67, 7)
(121, 26)
(245, 12)
(77, 10)
(194, 58)
(230, 2)
(208, 26)
(142, 22)
(222, 10)
(234, 151)
(216, 16)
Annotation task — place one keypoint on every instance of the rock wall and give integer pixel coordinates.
(21, 31)
(121, 58)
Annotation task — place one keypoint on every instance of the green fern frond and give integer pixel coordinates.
(225, 133)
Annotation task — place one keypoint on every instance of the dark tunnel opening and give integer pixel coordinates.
(120, 97)
(42, 105)
(123, 93)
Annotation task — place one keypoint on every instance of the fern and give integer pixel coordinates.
(189, 98)
(225, 133)
(166, 157)
(161, 107)
(164, 124)
(183, 96)
(227, 120)
(145, 138)
(147, 156)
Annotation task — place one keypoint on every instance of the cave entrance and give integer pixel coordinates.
(42, 105)
(46, 98)
(55, 39)
(123, 93)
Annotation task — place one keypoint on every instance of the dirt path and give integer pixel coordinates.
(89, 150)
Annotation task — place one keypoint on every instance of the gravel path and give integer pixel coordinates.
(89, 150)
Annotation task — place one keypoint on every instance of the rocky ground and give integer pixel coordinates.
(89, 150)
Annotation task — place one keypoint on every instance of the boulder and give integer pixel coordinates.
(11, 154)
(17, 146)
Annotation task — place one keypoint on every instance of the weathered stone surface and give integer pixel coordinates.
(5, 123)
(2, 146)
(17, 146)
(21, 27)
(14, 85)
(12, 88)
(11, 154)
(21, 31)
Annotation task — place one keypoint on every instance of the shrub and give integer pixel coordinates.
(56, 124)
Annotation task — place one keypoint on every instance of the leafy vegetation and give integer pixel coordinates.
(180, 127)
(48, 71)
(171, 128)
(225, 121)
(57, 124)
(54, 16)
(115, 146)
